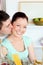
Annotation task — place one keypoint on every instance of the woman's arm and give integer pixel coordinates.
(31, 53)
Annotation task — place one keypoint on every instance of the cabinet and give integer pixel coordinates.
(33, 9)
(3, 5)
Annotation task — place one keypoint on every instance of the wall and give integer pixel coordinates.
(12, 5)
(35, 33)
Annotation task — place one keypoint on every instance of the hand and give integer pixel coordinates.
(3, 51)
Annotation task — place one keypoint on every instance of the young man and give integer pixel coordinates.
(5, 24)
(5, 29)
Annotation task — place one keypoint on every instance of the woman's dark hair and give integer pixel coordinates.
(18, 15)
(3, 17)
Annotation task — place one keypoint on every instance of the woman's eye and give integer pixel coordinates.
(17, 25)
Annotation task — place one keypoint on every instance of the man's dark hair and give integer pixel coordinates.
(3, 17)
(19, 15)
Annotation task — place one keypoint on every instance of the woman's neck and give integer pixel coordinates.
(16, 37)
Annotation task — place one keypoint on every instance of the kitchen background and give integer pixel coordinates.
(34, 9)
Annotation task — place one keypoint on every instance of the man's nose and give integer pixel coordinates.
(11, 26)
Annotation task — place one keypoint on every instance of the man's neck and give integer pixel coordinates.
(2, 36)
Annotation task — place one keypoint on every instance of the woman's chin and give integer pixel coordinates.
(19, 36)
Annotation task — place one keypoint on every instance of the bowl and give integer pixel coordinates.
(38, 21)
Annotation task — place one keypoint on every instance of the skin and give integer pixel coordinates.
(19, 27)
(6, 28)
(3, 51)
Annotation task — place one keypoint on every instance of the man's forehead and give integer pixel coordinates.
(7, 22)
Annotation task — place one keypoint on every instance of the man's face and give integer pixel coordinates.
(6, 27)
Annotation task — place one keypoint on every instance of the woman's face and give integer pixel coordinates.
(19, 27)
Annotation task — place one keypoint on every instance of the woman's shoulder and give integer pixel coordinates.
(27, 40)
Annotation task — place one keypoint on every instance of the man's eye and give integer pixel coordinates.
(25, 27)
